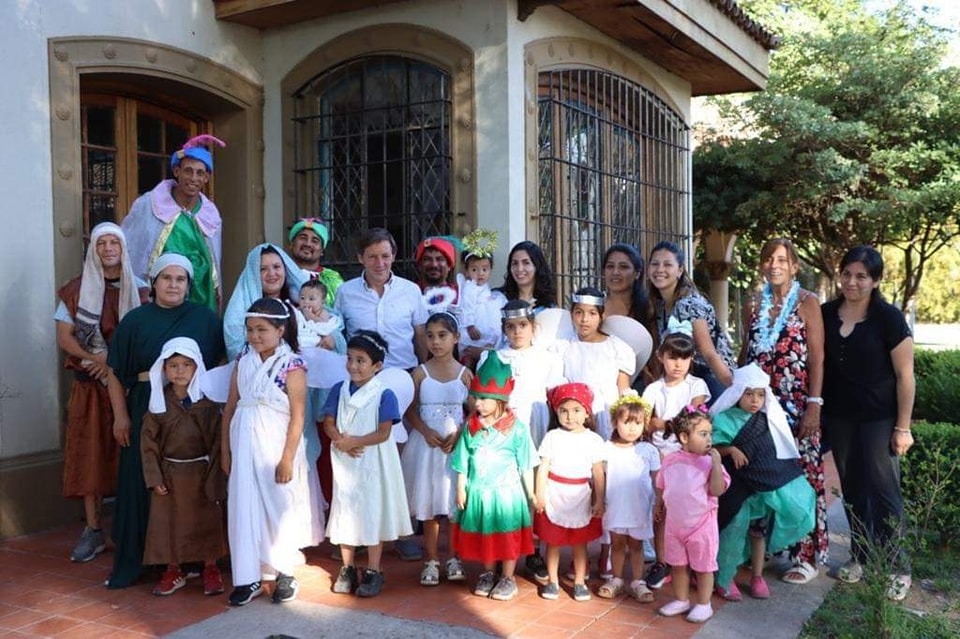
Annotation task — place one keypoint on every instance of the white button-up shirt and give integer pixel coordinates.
(394, 315)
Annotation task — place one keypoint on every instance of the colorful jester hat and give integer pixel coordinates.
(494, 379)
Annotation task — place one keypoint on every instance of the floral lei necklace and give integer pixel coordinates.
(767, 331)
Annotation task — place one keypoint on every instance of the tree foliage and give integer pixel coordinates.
(855, 140)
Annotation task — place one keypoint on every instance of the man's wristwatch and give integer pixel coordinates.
(815, 400)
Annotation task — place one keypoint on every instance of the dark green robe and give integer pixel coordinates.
(136, 344)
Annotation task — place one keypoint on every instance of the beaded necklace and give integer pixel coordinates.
(767, 332)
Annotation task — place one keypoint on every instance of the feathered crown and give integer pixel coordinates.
(479, 243)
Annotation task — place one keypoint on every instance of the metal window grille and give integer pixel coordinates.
(373, 150)
(613, 167)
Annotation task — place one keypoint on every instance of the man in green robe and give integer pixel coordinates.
(176, 217)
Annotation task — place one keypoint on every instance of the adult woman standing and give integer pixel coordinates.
(783, 333)
(269, 272)
(626, 294)
(135, 345)
(529, 277)
(868, 394)
(674, 294)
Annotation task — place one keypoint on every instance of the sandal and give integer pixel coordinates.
(612, 588)
(850, 572)
(454, 570)
(430, 575)
(640, 592)
(800, 573)
(899, 587)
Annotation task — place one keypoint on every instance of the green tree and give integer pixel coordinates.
(855, 140)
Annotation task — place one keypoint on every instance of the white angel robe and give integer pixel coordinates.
(267, 522)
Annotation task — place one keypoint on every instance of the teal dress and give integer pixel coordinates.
(134, 347)
(768, 489)
(496, 523)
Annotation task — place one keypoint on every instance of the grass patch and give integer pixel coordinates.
(931, 611)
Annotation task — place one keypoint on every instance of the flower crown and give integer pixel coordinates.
(631, 396)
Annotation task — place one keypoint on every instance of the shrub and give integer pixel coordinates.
(931, 481)
(938, 385)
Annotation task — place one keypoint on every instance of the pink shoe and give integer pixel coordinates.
(730, 594)
(759, 588)
(674, 608)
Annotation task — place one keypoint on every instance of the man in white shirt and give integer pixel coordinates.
(381, 301)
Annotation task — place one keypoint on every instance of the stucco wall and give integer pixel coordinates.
(29, 405)
(491, 30)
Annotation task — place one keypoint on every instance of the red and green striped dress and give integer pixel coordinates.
(496, 523)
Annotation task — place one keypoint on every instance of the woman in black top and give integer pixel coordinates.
(868, 393)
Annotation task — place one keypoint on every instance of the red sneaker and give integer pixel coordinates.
(212, 581)
(172, 581)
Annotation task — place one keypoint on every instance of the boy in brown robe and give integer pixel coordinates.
(180, 446)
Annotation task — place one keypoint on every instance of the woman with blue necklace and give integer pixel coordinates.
(783, 333)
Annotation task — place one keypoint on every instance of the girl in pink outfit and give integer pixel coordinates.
(688, 485)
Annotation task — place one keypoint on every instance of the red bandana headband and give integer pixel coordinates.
(577, 391)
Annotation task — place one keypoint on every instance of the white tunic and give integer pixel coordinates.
(427, 474)
(572, 456)
(535, 369)
(630, 496)
(598, 365)
(267, 522)
(668, 401)
(369, 500)
(479, 307)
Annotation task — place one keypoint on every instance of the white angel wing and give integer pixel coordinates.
(215, 383)
(553, 324)
(400, 382)
(324, 368)
(634, 334)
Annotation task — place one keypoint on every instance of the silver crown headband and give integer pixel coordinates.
(592, 300)
(376, 344)
(270, 315)
(515, 313)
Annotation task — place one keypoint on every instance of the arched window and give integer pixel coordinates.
(373, 145)
(613, 166)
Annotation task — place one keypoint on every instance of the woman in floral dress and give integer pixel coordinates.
(784, 335)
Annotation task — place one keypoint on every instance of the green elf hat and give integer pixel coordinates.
(494, 379)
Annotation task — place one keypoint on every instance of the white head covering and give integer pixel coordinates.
(176, 346)
(170, 259)
(93, 288)
(752, 376)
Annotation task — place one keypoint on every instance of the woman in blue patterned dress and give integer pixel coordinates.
(784, 335)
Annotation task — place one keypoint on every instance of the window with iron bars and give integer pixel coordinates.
(613, 167)
(373, 150)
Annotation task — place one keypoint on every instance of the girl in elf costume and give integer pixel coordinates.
(494, 460)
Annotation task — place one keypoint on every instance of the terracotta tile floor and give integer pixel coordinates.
(44, 594)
